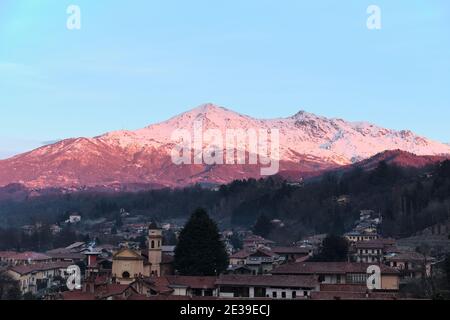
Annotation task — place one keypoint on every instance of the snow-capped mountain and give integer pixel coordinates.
(308, 143)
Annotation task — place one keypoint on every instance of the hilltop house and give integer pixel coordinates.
(357, 236)
(410, 264)
(366, 228)
(260, 261)
(293, 253)
(73, 219)
(254, 242)
(372, 251)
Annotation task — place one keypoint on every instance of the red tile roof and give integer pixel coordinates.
(26, 269)
(111, 290)
(66, 255)
(408, 256)
(192, 282)
(328, 268)
(24, 256)
(268, 281)
(157, 284)
(374, 244)
(291, 250)
(101, 292)
(243, 254)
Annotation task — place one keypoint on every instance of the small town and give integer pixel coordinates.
(132, 261)
(224, 159)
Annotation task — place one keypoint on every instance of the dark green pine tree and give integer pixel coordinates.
(200, 251)
(334, 249)
(263, 226)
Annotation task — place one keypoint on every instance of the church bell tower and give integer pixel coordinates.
(154, 249)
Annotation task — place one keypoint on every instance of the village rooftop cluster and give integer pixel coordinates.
(261, 269)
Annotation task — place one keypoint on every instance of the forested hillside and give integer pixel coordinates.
(408, 199)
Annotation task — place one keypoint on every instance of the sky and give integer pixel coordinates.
(134, 63)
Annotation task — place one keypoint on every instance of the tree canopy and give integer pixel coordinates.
(334, 249)
(263, 226)
(200, 251)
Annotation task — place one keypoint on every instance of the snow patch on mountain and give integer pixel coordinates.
(305, 133)
(143, 155)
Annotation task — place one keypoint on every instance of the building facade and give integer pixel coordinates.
(129, 264)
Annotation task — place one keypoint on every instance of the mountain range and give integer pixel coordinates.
(309, 144)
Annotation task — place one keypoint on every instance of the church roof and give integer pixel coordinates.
(136, 254)
(154, 226)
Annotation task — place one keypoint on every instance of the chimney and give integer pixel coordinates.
(92, 260)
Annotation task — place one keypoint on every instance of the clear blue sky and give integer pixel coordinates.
(142, 61)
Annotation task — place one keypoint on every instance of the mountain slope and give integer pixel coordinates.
(308, 143)
(397, 158)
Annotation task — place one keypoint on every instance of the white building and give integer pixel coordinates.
(74, 218)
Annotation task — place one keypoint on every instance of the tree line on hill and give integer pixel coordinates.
(409, 200)
(41, 239)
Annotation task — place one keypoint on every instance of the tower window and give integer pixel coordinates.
(126, 275)
(153, 244)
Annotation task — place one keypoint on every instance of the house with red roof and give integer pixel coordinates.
(37, 278)
(14, 258)
(267, 286)
(341, 273)
(260, 261)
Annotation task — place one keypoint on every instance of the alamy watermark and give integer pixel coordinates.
(74, 19)
(74, 279)
(234, 146)
(374, 277)
(374, 19)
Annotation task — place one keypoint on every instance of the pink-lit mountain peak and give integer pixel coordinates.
(307, 142)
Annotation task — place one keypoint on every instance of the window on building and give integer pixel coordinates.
(283, 295)
(126, 275)
(294, 294)
(356, 278)
(274, 294)
(209, 293)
